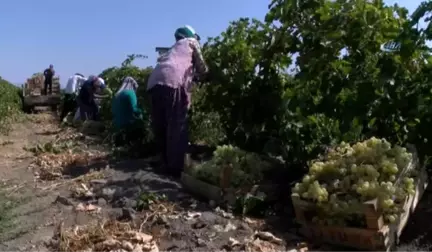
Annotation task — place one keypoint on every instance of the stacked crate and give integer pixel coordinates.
(35, 85)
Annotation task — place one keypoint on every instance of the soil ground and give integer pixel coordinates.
(31, 209)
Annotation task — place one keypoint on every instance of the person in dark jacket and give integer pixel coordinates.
(88, 108)
(48, 74)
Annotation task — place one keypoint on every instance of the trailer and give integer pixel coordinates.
(33, 93)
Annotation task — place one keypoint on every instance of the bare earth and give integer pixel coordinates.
(35, 214)
(195, 226)
(41, 206)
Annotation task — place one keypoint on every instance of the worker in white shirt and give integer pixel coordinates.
(72, 87)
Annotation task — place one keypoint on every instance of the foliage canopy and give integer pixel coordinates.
(312, 74)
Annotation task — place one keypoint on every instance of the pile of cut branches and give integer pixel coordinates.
(108, 235)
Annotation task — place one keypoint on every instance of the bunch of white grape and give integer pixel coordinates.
(349, 175)
(247, 168)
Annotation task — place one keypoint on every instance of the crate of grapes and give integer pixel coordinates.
(230, 173)
(220, 192)
(360, 196)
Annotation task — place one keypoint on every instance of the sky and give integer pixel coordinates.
(90, 36)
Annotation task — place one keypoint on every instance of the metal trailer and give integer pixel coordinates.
(33, 94)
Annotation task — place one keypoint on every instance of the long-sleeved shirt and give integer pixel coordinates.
(49, 74)
(178, 66)
(125, 109)
(88, 89)
(74, 83)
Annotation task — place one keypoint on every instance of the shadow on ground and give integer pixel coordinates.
(75, 170)
(49, 132)
(132, 178)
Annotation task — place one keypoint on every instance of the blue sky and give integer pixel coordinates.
(89, 36)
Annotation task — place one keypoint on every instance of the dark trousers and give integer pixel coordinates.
(169, 111)
(69, 105)
(48, 87)
(88, 110)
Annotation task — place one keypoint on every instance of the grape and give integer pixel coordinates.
(247, 167)
(354, 168)
(297, 188)
(349, 175)
(391, 218)
(387, 203)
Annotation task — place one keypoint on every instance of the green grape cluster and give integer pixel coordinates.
(349, 175)
(247, 168)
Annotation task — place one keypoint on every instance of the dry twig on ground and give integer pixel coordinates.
(52, 166)
(104, 236)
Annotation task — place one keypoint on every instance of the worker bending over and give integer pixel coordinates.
(88, 109)
(127, 116)
(71, 90)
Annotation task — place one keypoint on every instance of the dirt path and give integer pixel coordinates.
(32, 208)
(36, 208)
(31, 212)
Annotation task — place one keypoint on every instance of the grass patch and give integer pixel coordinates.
(7, 122)
(10, 200)
(7, 216)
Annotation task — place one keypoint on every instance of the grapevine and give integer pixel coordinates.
(350, 175)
